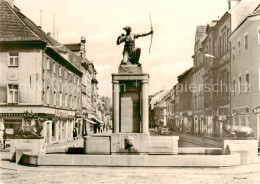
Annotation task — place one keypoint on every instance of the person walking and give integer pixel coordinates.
(75, 133)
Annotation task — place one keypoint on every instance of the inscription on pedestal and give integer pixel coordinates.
(130, 112)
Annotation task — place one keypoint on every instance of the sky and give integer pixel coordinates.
(101, 22)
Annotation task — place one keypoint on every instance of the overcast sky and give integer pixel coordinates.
(101, 21)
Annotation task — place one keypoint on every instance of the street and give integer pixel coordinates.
(11, 173)
(242, 174)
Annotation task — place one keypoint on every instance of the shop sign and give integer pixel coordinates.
(79, 114)
(256, 110)
(59, 113)
(241, 110)
(13, 114)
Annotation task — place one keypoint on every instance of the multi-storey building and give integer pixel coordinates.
(245, 73)
(89, 114)
(185, 102)
(198, 82)
(169, 99)
(38, 75)
(176, 108)
(158, 109)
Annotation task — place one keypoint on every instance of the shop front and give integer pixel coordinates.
(56, 125)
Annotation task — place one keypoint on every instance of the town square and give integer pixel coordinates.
(109, 91)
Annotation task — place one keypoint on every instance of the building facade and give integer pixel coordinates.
(185, 102)
(245, 73)
(198, 82)
(38, 75)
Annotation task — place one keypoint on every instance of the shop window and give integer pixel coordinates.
(53, 129)
(13, 94)
(11, 125)
(13, 59)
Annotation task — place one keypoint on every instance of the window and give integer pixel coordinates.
(48, 63)
(60, 99)
(66, 100)
(70, 101)
(227, 82)
(60, 71)
(233, 51)
(74, 79)
(12, 93)
(239, 84)
(48, 96)
(234, 87)
(54, 67)
(247, 83)
(238, 47)
(75, 102)
(66, 74)
(54, 98)
(246, 42)
(13, 59)
(78, 80)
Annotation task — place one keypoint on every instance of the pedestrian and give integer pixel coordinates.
(75, 133)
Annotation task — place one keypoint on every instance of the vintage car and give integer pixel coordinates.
(166, 131)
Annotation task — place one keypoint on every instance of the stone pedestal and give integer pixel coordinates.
(36, 146)
(248, 149)
(130, 119)
(130, 100)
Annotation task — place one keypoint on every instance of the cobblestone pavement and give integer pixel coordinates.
(134, 175)
(11, 173)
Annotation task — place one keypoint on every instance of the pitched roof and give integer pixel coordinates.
(73, 46)
(15, 26)
(12, 28)
(184, 74)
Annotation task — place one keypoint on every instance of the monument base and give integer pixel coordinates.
(18, 146)
(246, 148)
(130, 143)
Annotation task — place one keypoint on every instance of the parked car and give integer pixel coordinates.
(166, 131)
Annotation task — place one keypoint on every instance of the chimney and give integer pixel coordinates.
(11, 3)
(232, 3)
(82, 47)
(49, 34)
